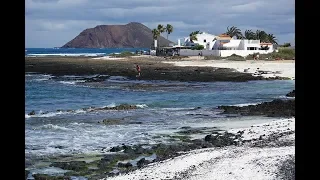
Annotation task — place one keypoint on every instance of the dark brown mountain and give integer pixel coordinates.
(131, 35)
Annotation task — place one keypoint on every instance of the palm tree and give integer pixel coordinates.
(161, 29)
(248, 34)
(261, 35)
(193, 36)
(234, 31)
(271, 39)
(169, 29)
(155, 34)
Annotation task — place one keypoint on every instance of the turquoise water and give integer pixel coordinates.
(164, 107)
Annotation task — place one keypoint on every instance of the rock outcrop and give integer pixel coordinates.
(275, 108)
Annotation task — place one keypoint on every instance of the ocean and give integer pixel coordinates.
(89, 52)
(64, 122)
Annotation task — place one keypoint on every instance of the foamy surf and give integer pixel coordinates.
(72, 82)
(285, 97)
(245, 104)
(55, 127)
(142, 105)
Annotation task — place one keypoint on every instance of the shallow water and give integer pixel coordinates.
(163, 107)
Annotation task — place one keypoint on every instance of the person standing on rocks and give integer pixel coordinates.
(138, 69)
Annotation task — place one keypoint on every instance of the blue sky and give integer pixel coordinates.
(52, 23)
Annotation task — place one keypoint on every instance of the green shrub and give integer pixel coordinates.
(197, 47)
(213, 57)
(283, 53)
(235, 57)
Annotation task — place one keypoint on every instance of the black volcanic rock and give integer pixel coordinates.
(131, 35)
(291, 94)
(275, 108)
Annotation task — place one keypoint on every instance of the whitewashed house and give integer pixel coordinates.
(224, 45)
(203, 38)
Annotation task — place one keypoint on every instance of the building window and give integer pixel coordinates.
(251, 48)
(204, 40)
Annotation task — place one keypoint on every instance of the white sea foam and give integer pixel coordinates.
(38, 77)
(50, 114)
(111, 105)
(176, 109)
(80, 124)
(285, 97)
(43, 79)
(48, 170)
(56, 127)
(71, 82)
(80, 111)
(245, 104)
(69, 54)
(142, 105)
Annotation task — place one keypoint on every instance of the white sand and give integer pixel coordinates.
(232, 162)
(282, 68)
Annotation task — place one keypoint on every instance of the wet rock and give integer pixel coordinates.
(131, 150)
(108, 161)
(185, 127)
(122, 107)
(124, 165)
(47, 177)
(111, 121)
(26, 172)
(72, 165)
(199, 143)
(191, 131)
(291, 94)
(128, 149)
(226, 139)
(164, 151)
(142, 162)
(32, 113)
(138, 122)
(275, 108)
(116, 149)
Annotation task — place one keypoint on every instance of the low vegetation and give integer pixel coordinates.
(233, 57)
(283, 53)
(198, 47)
(213, 57)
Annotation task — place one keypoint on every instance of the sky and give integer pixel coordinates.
(53, 23)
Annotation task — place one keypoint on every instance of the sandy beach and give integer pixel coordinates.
(258, 159)
(282, 68)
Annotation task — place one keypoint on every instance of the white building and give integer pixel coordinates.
(223, 45)
(225, 42)
(203, 38)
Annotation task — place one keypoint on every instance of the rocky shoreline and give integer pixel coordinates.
(125, 159)
(151, 69)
